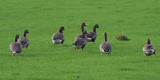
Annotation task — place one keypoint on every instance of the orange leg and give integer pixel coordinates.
(26, 49)
(53, 44)
(12, 54)
(74, 49)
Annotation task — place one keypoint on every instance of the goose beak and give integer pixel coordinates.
(86, 24)
(88, 33)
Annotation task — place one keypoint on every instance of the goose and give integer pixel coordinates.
(80, 42)
(149, 49)
(105, 47)
(16, 47)
(58, 37)
(23, 40)
(92, 36)
(82, 28)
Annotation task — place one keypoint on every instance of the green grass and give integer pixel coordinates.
(138, 19)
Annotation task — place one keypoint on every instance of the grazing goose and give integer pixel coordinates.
(16, 47)
(58, 37)
(23, 40)
(92, 36)
(80, 42)
(149, 49)
(82, 28)
(105, 47)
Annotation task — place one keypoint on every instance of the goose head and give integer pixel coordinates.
(95, 26)
(148, 41)
(82, 26)
(25, 32)
(61, 29)
(16, 37)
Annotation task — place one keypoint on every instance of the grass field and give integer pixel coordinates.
(138, 19)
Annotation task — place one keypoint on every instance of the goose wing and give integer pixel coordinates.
(16, 47)
(78, 36)
(106, 47)
(23, 41)
(79, 41)
(148, 49)
(92, 35)
(58, 36)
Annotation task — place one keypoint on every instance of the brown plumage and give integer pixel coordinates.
(105, 47)
(92, 36)
(80, 42)
(149, 49)
(82, 29)
(24, 40)
(58, 37)
(16, 47)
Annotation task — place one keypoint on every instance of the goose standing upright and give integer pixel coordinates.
(80, 42)
(105, 47)
(82, 28)
(149, 49)
(16, 47)
(92, 36)
(58, 37)
(23, 40)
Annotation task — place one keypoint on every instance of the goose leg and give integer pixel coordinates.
(155, 54)
(62, 45)
(101, 53)
(82, 49)
(108, 54)
(19, 54)
(12, 54)
(26, 49)
(74, 49)
(53, 44)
